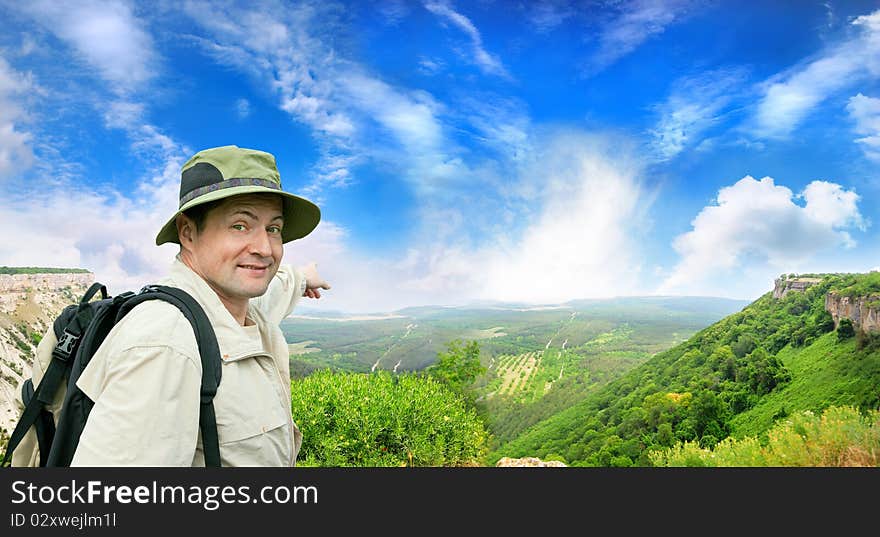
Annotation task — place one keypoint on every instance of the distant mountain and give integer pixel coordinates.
(692, 304)
(738, 377)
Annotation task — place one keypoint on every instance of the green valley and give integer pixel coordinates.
(538, 360)
(641, 381)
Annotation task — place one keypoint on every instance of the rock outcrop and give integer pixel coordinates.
(782, 287)
(527, 462)
(28, 304)
(863, 311)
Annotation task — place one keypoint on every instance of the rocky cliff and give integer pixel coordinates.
(28, 305)
(528, 462)
(782, 287)
(864, 311)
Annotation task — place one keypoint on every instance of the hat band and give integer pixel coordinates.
(236, 181)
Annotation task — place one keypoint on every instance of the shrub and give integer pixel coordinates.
(841, 436)
(459, 365)
(384, 419)
(845, 330)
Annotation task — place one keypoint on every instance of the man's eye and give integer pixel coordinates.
(239, 227)
(274, 229)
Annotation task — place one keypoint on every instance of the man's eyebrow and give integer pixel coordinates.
(252, 216)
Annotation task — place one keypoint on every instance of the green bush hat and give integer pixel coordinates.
(221, 172)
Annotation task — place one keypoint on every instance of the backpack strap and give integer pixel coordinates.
(209, 351)
(34, 414)
(35, 400)
(44, 425)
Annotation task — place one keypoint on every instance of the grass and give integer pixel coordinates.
(824, 374)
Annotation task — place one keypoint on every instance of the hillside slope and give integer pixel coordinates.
(734, 378)
(29, 301)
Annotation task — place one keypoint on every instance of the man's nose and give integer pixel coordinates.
(261, 243)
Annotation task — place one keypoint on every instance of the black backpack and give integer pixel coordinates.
(80, 329)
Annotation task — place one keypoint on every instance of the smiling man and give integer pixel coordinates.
(231, 225)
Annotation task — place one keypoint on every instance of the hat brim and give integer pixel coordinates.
(301, 216)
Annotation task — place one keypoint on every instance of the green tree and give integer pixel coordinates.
(845, 330)
(744, 345)
(664, 435)
(459, 365)
(763, 372)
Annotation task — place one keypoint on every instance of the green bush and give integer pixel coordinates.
(459, 366)
(845, 330)
(384, 419)
(841, 436)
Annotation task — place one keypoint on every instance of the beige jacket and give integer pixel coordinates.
(145, 382)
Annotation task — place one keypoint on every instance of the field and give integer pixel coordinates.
(409, 339)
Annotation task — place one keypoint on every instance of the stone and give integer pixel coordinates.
(528, 462)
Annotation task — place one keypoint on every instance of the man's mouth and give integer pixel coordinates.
(257, 268)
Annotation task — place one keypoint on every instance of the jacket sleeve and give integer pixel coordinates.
(146, 410)
(284, 292)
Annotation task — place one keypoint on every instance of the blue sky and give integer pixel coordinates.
(459, 151)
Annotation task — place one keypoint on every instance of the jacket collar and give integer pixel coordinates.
(233, 340)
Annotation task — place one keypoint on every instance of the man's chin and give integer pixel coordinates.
(253, 292)
(250, 289)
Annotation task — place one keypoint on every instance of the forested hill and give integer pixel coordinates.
(735, 378)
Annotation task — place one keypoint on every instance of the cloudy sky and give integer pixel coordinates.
(534, 151)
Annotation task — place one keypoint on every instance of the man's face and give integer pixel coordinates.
(239, 249)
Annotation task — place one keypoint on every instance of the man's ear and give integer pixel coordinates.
(186, 229)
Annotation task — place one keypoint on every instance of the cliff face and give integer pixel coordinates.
(864, 311)
(528, 462)
(29, 304)
(782, 287)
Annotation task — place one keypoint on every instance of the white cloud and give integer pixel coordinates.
(637, 22)
(107, 36)
(488, 63)
(546, 15)
(104, 33)
(242, 108)
(583, 239)
(16, 153)
(355, 116)
(122, 114)
(114, 238)
(757, 226)
(694, 105)
(499, 123)
(865, 112)
(829, 204)
(789, 97)
(430, 66)
(570, 229)
(393, 11)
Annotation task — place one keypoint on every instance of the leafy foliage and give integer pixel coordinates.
(845, 330)
(458, 366)
(841, 436)
(858, 284)
(384, 419)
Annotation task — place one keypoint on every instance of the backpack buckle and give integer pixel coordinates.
(65, 345)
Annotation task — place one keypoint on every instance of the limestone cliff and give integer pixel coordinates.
(782, 287)
(528, 462)
(863, 311)
(28, 305)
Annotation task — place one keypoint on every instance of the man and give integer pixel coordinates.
(231, 225)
